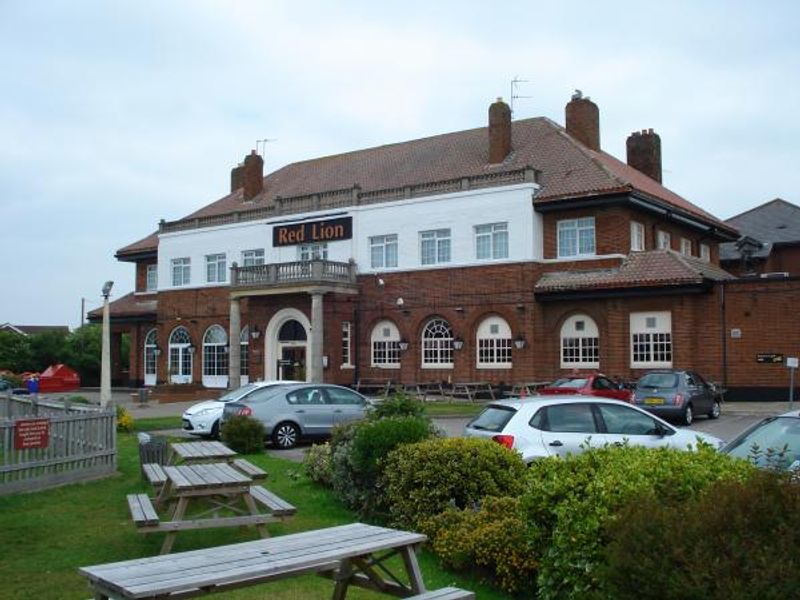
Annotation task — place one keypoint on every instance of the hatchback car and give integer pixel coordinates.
(773, 442)
(677, 394)
(203, 419)
(541, 427)
(299, 410)
(587, 385)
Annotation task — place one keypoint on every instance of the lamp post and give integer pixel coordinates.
(105, 358)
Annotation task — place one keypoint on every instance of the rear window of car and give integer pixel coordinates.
(493, 418)
(658, 380)
(776, 440)
(569, 383)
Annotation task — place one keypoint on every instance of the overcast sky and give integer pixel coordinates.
(114, 115)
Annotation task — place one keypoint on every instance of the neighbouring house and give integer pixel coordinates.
(26, 330)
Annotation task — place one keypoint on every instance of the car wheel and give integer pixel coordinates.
(715, 411)
(215, 430)
(688, 416)
(285, 435)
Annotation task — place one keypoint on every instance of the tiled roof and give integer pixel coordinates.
(36, 329)
(775, 222)
(130, 305)
(656, 268)
(567, 168)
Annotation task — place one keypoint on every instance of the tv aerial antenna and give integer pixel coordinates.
(514, 95)
(263, 144)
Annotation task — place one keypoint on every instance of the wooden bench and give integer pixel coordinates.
(154, 473)
(529, 388)
(142, 511)
(471, 389)
(248, 468)
(422, 390)
(448, 593)
(367, 385)
(276, 505)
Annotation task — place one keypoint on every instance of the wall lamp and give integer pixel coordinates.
(403, 345)
(190, 348)
(519, 342)
(156, 351)
(458, 343)
(255, 332)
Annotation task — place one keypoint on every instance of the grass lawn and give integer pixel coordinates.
(47, 535)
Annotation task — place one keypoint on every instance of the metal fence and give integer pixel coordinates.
(82, 444)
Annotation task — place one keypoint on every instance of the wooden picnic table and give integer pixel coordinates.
(424, 389)
(195, 496)
(373, 385)
(471, 389)
(193, 452)
(530, 387)
(351, 555)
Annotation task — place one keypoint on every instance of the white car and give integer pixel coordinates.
(204, 418)
(540, 427)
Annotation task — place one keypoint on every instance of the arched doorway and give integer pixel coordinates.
(286, 346)
(151, 353)
(180, 356)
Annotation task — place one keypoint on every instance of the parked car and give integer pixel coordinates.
(300, 410)
(677, 394)
(595, 384)
(772, 442)
(538, 427)
(203, 419)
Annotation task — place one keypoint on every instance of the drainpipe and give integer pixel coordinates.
(355, 341)
(723, 335)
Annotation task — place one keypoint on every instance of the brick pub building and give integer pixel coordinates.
(509, 253)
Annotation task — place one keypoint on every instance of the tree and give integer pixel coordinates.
(15, 352)
(48, 348)
(83, 350)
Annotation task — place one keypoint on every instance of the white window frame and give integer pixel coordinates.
(316, 251)
(651, 342)
(493, 344)
(577, 229)
(151, 278)
(215, 357)
(151, 357)
(385, 345)
(347, 348)
(664, 240)
(244, 355)
(216, 268)
(491, 241)
(705, 252)
(383, 251)
(180, 355)
(637, 237)
(437, 345)
(252, 258)
(435, 247)
(181, 271)
(580, 343)
(686, 246)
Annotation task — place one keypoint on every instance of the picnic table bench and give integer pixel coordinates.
(351, 555)
(422, 390)
(471, 389)
(194, 452)
(374, 385)
(528, 387)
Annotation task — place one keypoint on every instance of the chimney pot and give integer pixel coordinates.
(499, 131)
(583, 120)
(644, 153)
(253, 175)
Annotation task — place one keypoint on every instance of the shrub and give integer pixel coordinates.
(737, 541)
(491, 539)
(422, 480)
(124, 419)
(244, 434)
(78, 399)
(14, 380)
(317, 464)
(398, 405)
(570, 504)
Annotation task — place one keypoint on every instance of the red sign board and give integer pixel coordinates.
(31, 433)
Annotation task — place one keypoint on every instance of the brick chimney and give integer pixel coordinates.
(583, 120)
(499, 131)
(644, 153)
(253, 175)
(237, 177)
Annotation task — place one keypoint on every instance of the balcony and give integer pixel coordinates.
(294, 275)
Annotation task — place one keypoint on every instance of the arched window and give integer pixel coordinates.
(437, 344)
(292, 331)
(244, 348)
(494, 343)
(580, 343)
(215, 357)
(180, 356)
(150, 357)
(385, 340)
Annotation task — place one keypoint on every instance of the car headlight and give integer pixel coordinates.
(205, 411)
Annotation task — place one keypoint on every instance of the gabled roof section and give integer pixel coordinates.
(142, 247)
(130, 306)
(27, 330)
(656, 268)
(776, 221)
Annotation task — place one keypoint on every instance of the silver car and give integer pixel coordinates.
(773, 442)
(299, 410)
(541, 427)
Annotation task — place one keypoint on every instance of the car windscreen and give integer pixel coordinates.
(658, 380)
(237, 393)
(493, 418)
(773, 442)
(569, 382)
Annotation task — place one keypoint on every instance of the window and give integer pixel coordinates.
(434, 246)
(651, 339)
(180, 356)
(437, 345)
(569, 418)
(686, 246)
(312, 252)
(342, 396)
(705, 252)
(215, 268)
(494, 343)
(346, 358)
(621, 420)
(150, 355)
(181, 271)
(576, 237)
(491, 241)
(151, 283)
(580, 343)
(215, 352)
(664, 240)
(251, 258)
(244, 352)
(385, 340)
(637, 237)
(383, 251)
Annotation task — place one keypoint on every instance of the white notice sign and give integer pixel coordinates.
(792, 362)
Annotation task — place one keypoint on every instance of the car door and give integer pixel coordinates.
(704, 394)
(696, 393)
(346, 405)
(564, 428)
(310, 409)
(625, 424)
(605, 388)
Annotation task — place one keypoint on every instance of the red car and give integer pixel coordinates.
(588, 385)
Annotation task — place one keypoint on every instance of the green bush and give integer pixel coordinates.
(78, 399)
(737, 541)
(490, 540)
(317, 464)
(244, 434)
(570, 504)
(14, 380)
(422, 480)
(398, 405)
(124, 419)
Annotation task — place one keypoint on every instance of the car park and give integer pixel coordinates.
(292, 412)
(677, 394)
(773, 442)
(203, 419)
(595, 384)
(538, 427)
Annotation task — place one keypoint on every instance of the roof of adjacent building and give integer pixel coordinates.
(774, 222)
(34, 329)
(654, 268)
(567, 169)
(131, 305)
